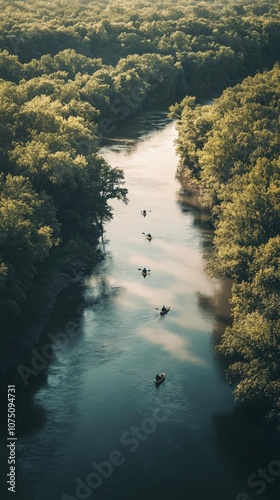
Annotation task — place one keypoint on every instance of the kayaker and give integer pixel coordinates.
(158, 377)
(144, 212)
(144, 270)
(163, 309)
(149, 235)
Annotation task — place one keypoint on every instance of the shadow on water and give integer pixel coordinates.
(188, 201)
(43, 368)
(193, 489)
(217, 306)
(30, 417)
(63, 328)
(247, 452)
(138, 128)
(242, 438)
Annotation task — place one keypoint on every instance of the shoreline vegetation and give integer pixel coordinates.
(70, 71)
(231, 149)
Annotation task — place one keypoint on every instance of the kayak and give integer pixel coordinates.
(164, 312)
(162, 378)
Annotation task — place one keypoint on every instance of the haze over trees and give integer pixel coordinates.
(232, 149)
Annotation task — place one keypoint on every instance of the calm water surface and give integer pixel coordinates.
(96, 401)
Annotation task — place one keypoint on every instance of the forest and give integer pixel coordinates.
(232, 150)
(70, 71)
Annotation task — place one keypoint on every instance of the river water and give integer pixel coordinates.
(95, 402)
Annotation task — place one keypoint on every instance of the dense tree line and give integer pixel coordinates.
(232, 149)
(212, 43)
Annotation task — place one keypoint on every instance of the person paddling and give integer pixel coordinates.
(144, 271)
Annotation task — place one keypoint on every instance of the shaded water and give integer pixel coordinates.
(96, 400)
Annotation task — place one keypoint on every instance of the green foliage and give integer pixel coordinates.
(213, 42)
(196, 121)
(232, 149)
(28, 229)
(10, 67)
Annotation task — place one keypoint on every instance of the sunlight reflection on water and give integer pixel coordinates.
(174, 344)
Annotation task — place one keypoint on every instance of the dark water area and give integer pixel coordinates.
(91, 424)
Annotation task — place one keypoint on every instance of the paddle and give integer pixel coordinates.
(159, 309)
(147, 270)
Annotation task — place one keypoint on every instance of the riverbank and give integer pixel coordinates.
(41, 302)
(230, 151)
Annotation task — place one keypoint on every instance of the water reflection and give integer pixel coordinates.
(217, 304)
(139, 128)
(188, 201)
(173, 343)
(245, 449)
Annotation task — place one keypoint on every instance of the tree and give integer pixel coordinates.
(28, 229)
(105, 183)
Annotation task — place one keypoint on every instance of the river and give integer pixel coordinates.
(92, 424)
